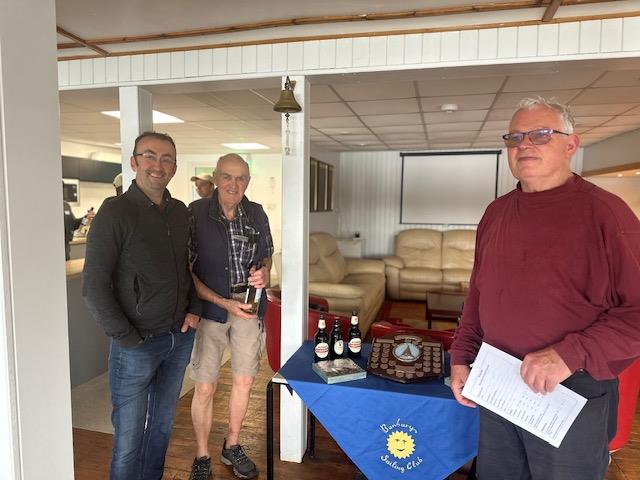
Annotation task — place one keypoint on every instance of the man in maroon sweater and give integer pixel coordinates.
(556, 282)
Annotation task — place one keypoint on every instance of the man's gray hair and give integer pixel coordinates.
(562, 110)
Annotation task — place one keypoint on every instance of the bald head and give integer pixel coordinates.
(232, 158)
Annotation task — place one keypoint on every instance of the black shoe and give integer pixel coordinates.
(243, 467)
(201, 469)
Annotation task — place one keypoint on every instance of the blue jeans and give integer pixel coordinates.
(145, 385)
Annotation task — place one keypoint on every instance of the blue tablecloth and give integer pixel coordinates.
(389, 430)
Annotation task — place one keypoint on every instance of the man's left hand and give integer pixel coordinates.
(258, 278)
(190, 320)
(543, 370)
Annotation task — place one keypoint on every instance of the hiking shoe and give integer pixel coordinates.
(201, 469)
(243, 467)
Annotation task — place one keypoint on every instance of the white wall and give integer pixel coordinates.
(369, 189)
(327, 221)
(35, 425)
(619, 150)
(627, 188)
(608, 38)
(93, 152)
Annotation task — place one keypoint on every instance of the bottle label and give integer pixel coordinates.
(338, 347)
(355, 344)
(322, 350)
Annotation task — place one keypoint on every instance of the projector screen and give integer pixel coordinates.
(451, 188)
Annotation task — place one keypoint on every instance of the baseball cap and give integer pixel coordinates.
(117, 181)
(202, 176)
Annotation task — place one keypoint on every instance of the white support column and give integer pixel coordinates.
(135, 117)
(35, 392)
(295, 234)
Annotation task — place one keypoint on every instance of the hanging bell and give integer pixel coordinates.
(287, 102)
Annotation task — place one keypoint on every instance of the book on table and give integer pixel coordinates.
(339, 370)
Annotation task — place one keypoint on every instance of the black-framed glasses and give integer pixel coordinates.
(539, 136)
(165, 160)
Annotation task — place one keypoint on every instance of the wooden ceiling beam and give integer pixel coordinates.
(358, 34)
(432, 12)
(551, 10)
(81, 42)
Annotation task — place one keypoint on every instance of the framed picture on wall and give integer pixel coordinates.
(321, 186)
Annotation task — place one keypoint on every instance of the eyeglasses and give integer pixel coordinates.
(539, 136)
(165, 160)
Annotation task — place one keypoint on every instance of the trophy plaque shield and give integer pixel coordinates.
(406, 358)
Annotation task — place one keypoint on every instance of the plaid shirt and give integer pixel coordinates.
(244, 243)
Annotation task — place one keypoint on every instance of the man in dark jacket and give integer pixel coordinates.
(138, 287)
(234, 248)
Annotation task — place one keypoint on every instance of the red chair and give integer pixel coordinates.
(394, 325)
(317, 305)
(628, 388)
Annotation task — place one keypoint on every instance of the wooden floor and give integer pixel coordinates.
(93, 450)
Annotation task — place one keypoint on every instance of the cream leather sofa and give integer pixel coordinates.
(431, 260)
(347, 283)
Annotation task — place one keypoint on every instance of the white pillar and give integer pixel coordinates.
(295, 235)
(135, 118)
(35, 391)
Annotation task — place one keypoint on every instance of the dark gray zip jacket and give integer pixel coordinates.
(136, 279)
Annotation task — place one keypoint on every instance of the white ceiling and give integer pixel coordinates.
(381, 111)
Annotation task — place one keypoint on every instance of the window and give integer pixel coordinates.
(321, 186)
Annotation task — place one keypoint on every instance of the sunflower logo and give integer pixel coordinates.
(400, 444)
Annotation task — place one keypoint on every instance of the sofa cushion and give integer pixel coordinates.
(458, 248)
(330, 257)
(456, 276)
(317, 270)
(420, 275)
(420, 248)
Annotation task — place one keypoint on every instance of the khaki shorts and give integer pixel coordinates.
(244, 337)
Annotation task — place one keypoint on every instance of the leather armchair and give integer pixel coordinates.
(346, 283)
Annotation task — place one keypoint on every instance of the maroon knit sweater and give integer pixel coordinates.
(557, 268)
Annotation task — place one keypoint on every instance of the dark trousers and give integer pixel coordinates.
(507, 452)
(145, 383)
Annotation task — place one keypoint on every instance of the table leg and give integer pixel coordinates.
(270, 431)
(312, 435)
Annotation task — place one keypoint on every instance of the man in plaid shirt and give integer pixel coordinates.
(232, 248)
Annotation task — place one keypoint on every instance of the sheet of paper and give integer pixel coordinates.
(495, 383)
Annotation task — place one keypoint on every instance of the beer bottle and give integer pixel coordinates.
(336, 345)
(355, 338)
(321, 349)
(253, 294)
